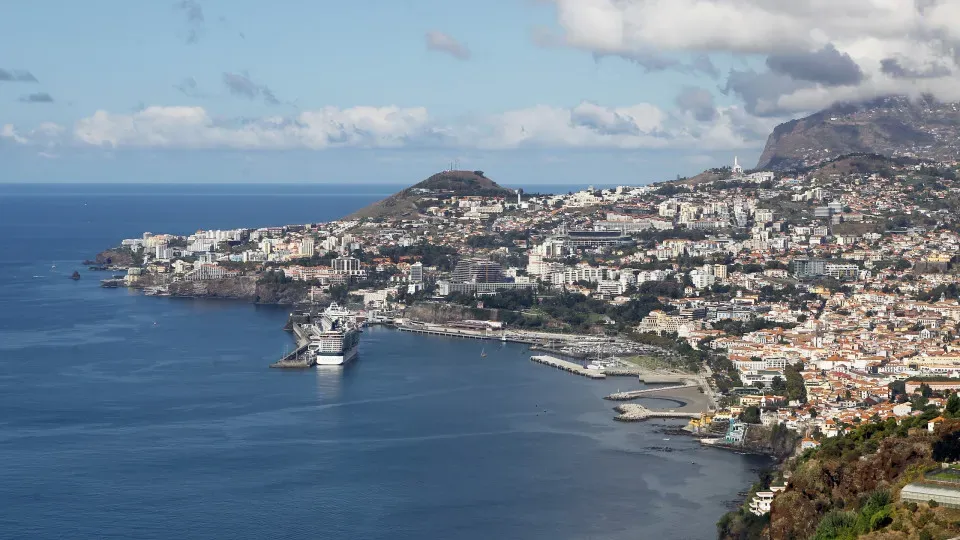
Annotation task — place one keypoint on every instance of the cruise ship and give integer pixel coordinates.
(334, 336)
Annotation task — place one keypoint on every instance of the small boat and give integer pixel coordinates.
(483, 353)
(75, 275)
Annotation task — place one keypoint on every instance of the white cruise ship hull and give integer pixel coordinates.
(336, 359)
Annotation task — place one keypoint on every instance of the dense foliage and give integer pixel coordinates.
(846, 488)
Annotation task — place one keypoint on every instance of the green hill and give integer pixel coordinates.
(407, 203)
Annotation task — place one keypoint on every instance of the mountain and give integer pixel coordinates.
(890, 126)
(443, 185)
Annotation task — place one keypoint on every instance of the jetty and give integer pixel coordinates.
(633, 412)
(297, 359)
(570, 367)
(634, 394)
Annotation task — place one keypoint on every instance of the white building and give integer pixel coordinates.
(307, 247)
(416, 272)
(347, 265)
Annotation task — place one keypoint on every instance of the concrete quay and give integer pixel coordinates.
(653, 378)
(634, 394)
(297, 359)
(633, 412)
(437, 330)
(622, 372)
(568, 366)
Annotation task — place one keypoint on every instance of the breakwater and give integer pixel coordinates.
(632, 412)
(634, 394)
(570, 367)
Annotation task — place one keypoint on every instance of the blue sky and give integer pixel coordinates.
(392, 90)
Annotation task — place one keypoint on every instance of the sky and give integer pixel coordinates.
(530, 91)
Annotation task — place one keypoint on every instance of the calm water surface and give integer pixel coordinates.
(123, 416)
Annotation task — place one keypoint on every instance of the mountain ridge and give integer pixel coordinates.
(892, 126)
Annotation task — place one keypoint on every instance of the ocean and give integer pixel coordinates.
(125, 416)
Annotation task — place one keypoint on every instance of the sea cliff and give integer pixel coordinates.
(245, 288)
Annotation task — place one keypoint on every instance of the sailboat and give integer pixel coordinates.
(483, 353)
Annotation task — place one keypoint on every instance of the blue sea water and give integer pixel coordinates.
(124, 416)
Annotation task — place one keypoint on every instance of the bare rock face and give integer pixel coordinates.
(440, 313)
(892, 127)
(115, 257)
(242, 288)
(238, 288)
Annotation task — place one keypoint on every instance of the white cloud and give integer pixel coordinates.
(46, 134)
(746, 26)
(586, 125)
(193, 127)
(900, 46)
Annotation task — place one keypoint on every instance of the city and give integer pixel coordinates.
(818, 301)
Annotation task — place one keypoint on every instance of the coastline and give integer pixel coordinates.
(686, 402)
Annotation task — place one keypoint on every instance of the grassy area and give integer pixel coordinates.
(950, 474)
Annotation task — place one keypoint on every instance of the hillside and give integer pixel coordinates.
(850, 487)
(707, 176)
(446, 184)
(891, 126)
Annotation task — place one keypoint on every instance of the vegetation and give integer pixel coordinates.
(442, 257)
(739, 328)
(566, 310)
(846, 488)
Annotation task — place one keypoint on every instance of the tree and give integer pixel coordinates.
(779, 385)
(750, 415)
(796, 391)
(925, 390)
(953, 405)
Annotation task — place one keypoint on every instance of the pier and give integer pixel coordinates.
(570, 367)
(634, 394)
(435, 330)
(632, 412)
(298, 359)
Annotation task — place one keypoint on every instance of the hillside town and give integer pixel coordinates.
(817, 300)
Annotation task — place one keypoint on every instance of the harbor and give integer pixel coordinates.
(330, 337)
